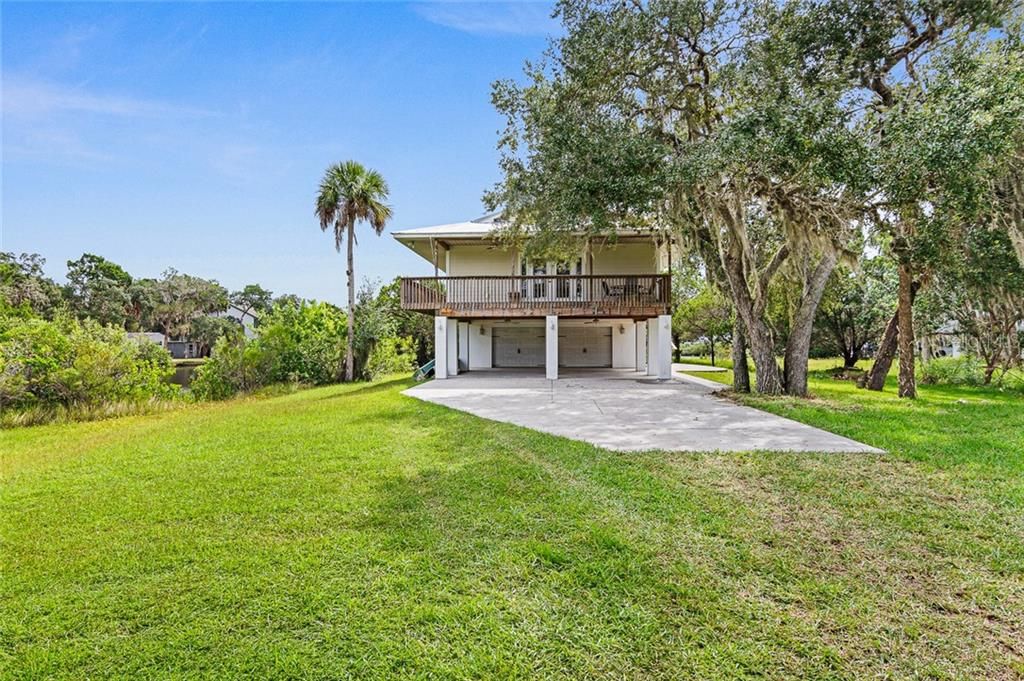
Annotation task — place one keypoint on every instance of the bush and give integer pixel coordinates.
(302, 343)
(964, 370)
(693, 349)
(74, 364)
(391, 356)
(234, 366)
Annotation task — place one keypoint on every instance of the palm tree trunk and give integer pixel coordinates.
(349, 358)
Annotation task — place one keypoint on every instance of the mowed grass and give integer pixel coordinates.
(351, 532)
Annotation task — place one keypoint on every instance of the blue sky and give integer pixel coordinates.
(194, 135)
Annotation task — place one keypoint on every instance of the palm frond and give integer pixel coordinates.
(350, 193)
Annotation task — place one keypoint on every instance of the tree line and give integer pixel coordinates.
(65, 350)
(176, 304)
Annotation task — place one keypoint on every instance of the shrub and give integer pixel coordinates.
(302, 343)
(75, 364)
(964, 370)
(391, 356)
(305, 343)
(693, 349)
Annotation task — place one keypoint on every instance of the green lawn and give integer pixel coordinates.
(353, 532)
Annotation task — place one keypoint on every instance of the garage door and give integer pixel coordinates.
(518, 346)
(587, 346)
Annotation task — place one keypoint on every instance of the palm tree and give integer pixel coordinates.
(350, 193)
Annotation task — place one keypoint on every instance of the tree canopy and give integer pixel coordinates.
(767, 138)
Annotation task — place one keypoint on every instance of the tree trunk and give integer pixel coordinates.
(712, 350)
(798, 346)
(884, 356)
(759, 335)
(851, 356)
(740, 369)
(887, 350)
(905, 322)
(349, 355)
(768, 378)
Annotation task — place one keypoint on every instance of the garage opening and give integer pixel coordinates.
(518, 346)
(585, 347)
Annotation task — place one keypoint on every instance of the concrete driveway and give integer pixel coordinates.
(626, 411)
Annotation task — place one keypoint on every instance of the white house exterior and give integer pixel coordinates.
(493, 309)
(247, 319)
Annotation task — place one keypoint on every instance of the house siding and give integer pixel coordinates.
(465, 260)
(629, 258)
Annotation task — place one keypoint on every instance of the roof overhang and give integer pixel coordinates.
(431, 242)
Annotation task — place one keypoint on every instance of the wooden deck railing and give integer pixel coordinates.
(495, 296)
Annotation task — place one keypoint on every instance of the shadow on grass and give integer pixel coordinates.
(370, 388)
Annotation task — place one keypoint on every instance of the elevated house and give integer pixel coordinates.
(608, 307)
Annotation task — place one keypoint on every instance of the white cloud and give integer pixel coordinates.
(30, 98)
(492, 18)
(48, 144)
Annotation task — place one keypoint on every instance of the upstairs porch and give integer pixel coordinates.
(638, 296)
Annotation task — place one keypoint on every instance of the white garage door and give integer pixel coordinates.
(586, 346)
(517, 346)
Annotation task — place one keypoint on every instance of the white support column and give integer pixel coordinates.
(652, 347)
(453, 347)
(641, 346)
(440, 347)
(463, 356)
(665, 347)
(551, 346)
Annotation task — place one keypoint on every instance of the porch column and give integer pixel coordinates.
(665, 347)
(551, 346)
(652, 347)
(463, 355)
(440, 347)
(641, 346)
(453, 346)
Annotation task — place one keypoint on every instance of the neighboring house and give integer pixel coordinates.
(945, 341)
(948, 341)
(607, 307)
(248, 320)
(151, 336)
(183, 349)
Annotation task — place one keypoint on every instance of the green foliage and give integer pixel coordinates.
(69, 363)
(24, 289)
(391, 356)
(350, 192)
(854, 309)
(98, 289)
(207, 330)
(379, 315)
(180, 298)
(980, 287)
(707, 317)
(964, 370)
(307, 343)
(253, 298)
(295, 344)
(234, 366)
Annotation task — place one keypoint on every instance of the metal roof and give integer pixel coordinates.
(474, 228)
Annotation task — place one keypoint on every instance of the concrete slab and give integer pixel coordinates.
(703, 368)
(626, 411)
